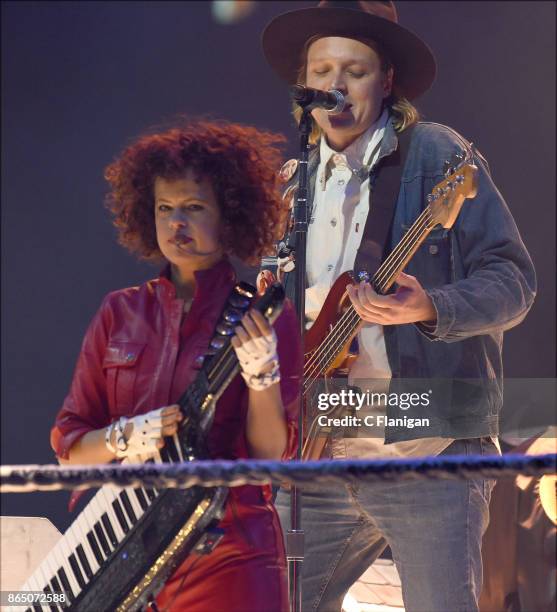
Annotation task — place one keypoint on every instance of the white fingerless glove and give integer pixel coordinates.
(254, 356)
(145, 434)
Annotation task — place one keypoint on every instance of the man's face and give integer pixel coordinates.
(355, 70)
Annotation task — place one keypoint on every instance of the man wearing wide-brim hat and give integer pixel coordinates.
(464, 286)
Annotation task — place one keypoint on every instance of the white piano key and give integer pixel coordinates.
(99, 509)
(73, 542)
(89, 521)
(127, 521)
(32, 583)
(136, 507)
(178, 447)
(66, 551)
(53, 568)
(81, 528)
(90, 512)
(109, 495)
(42, 575)
(59, 560)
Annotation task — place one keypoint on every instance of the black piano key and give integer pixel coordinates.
(150, 493)
(56, 588)
(141, 499)
(171, 449)
(120, 516)
(102, 540)
(30, 610)
(66, 584)
(48, 591)
(163, 452)
(85, 564)
(128, 507)
(109, 531)
(95, 548)
(77, 571)
(37, 608)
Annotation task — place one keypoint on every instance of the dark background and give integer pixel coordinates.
(80, 80)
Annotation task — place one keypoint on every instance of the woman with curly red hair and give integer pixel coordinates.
(191, 196)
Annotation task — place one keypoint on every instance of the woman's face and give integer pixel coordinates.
(188, 222)
(355, 70)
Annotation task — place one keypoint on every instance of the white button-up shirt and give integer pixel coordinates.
(340, 209)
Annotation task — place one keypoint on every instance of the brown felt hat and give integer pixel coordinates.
(285, 36)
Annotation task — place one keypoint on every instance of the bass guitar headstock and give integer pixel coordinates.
(447, 197)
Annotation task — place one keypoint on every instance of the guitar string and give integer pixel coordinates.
(329, 351)
(380, 274)
(348, 317)
(393, 264)
(324, 356)
(400, 247)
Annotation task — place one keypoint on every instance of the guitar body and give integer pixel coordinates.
(334, 307)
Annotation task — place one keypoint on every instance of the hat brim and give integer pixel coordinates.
(285, 36)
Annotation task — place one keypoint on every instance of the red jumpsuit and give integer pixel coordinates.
(139, 354)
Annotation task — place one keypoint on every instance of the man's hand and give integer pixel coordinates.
(410, 303)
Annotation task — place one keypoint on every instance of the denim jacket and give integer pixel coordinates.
(481, 280)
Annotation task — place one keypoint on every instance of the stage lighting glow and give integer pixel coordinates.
(231, 11)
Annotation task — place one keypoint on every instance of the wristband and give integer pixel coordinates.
(261, 382)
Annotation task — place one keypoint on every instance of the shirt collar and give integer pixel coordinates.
(357, 154)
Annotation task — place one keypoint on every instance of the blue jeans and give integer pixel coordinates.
(434, 529)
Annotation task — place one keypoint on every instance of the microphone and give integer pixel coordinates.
(332, 101)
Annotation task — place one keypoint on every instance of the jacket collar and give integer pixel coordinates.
(206, 281)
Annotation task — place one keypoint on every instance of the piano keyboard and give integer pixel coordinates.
(93, 537)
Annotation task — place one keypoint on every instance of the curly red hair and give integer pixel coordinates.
(240, 162)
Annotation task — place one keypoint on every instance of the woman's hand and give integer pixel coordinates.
(144, 433)
(255, 344)
(138, 437)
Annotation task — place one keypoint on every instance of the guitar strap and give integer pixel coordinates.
(384, 186)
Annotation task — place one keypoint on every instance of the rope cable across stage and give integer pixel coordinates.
(30, 478)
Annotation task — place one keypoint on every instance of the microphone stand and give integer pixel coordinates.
(295, 536)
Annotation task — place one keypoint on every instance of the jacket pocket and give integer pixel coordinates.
(121, 365)
(431, 264)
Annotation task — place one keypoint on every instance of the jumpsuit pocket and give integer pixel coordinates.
(120, 365)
